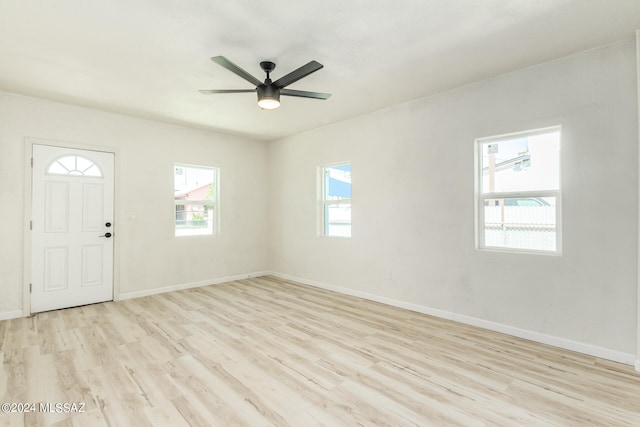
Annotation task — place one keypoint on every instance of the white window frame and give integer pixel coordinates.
(324, 204)
(481, 197)
(213, 204)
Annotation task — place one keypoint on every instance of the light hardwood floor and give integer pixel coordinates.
(264, 351)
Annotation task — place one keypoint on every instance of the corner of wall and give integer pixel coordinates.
(637, 365)
(183, 286)
(7, 315)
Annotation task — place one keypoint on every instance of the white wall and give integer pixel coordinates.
(149, 256)
(413, 202)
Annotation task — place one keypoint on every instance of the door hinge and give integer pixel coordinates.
(32, 162)
(30, 287)
(30, 225)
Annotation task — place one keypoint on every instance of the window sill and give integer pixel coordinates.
(519, 251)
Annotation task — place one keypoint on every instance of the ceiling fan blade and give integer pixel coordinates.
(304, 94)
(208, 91)
(296, 75)
(221, 60)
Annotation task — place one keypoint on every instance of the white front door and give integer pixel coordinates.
(72, 227)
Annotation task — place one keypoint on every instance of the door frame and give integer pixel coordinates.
(29, 142)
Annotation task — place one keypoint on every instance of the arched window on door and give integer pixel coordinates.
(74, 165)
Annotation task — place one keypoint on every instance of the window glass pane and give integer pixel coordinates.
(93, 171)
(75, 166)
(57, 169)
(83, 164)
(337, 220)
(337, 182)
(520, 223)
(524, 163)
(194, 191)
(68, 162)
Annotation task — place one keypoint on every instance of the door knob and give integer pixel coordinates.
(107, 235)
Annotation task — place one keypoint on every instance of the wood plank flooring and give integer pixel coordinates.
(268, 352)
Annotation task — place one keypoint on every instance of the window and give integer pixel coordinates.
(196, 195)
(336, 200)
(74, 165)
(518, 187)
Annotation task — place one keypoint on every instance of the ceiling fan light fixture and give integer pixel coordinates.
(268, 97)
(268, 103)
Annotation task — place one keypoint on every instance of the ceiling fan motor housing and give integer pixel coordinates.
(268, 90)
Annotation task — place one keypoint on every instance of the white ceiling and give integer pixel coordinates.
(148, 58)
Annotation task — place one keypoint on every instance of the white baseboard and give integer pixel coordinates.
(592, 350)
(179, 287)
(11, 314)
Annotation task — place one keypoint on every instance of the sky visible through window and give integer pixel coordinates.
(522, 164)
(338, 184)
(191, 177)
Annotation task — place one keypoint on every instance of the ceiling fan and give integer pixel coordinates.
(269, 92)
